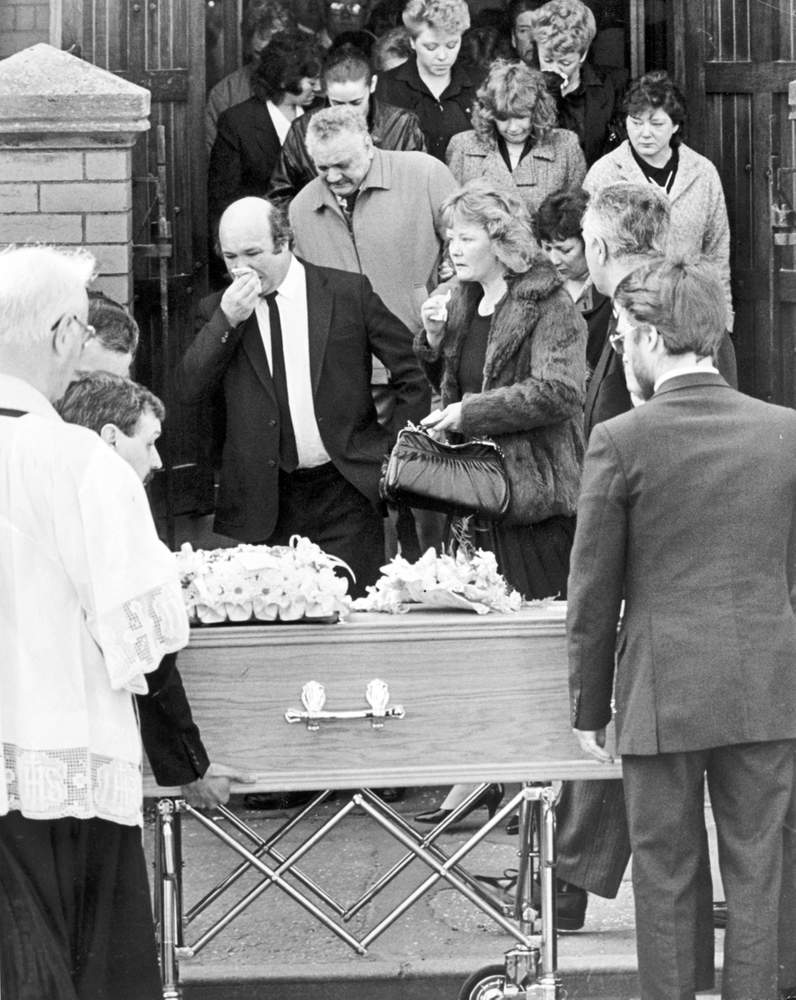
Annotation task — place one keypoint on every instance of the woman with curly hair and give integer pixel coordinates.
(654, 153)
(432, 84)
(514, 142)
(506, 347)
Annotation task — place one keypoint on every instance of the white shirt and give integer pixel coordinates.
(698, 367)
(280, 120)
(89, 602)
(291, 300)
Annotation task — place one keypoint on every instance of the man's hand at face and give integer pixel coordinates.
(239, 300)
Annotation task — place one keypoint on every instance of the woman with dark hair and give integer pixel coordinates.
(506, 348)
(557, 226)
(654, 153)
(250, 135)
(514, 142)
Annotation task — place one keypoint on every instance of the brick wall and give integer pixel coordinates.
(23, 23)
(71, 197)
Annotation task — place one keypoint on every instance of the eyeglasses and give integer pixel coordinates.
(617, 341)
(89, 332)
(352, 8)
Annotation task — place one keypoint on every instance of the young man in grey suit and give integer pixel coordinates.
(687, 513)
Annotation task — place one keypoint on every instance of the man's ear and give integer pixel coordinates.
(109, 434)
(64, 336)
(601, 249)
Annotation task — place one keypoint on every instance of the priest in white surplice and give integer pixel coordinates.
(89, 603)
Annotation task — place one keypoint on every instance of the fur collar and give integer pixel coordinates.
(514, 319)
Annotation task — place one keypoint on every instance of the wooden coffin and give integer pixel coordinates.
(485, 698)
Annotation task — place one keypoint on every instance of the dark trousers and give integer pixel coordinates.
(75, 914)
(322, 505)
(593, 845)
(750, 791)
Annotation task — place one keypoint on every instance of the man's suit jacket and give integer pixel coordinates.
(687, 512)
(606, 393)
(347, 323)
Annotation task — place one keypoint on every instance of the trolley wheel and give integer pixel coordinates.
(488, 983)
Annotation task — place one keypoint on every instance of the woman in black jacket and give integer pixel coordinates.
(433, 84)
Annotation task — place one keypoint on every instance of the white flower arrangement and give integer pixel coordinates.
(262, 583)
(470, 582)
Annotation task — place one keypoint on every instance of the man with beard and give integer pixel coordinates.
(687, 513)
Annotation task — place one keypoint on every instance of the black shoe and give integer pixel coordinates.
(513, 825)
(391, 794)
(720, 914)
(571, 903)
(277, 800)
(490, 797)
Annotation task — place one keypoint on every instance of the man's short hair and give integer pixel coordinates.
(38, 286)
(115, 328)
(517, 7)
(99, 398)
(683, 299)
(331, 122)
(346, 62)
(632, 219)
(565, 25)
(278, 224)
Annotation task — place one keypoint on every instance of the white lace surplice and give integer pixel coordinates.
(89, 602)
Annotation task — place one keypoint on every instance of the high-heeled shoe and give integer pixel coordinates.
(490, 797)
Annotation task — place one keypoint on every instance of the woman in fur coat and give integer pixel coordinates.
(506, 347)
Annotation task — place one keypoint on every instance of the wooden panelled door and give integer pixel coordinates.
(736, 58)
(159, 44)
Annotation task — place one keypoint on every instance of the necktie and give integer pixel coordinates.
(288, 455)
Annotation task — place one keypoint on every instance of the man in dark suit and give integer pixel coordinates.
(687, 513)
(289, 344)
(625, 225)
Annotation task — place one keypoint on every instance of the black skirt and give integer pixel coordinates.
(534, 558)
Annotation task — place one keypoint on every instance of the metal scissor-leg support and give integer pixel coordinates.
(534, 950)
(525, 974)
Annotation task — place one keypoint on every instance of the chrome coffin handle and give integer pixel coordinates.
(313, 698)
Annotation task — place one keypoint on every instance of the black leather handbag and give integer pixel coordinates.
(458, 479)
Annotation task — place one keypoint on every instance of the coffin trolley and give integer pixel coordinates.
(426, 698)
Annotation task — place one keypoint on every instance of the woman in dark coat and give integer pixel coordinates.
(510, 362)
(506, 347)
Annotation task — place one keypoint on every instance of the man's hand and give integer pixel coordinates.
(593, 743)
(449, 419)
(239, 300)
(213, 789)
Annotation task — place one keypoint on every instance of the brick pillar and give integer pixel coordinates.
(67, 129)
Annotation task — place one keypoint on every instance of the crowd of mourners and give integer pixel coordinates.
(472, 224)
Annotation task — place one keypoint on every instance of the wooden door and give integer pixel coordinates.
(159, 44)
(736, 58)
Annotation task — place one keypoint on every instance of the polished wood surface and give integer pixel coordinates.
(485, 699)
